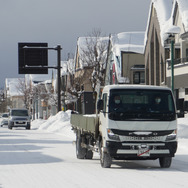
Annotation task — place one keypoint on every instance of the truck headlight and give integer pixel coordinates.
(111, 135)
(172, 136)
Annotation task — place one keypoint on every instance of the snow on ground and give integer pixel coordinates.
(45, 157)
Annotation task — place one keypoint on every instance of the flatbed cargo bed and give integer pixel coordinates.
(85, 122)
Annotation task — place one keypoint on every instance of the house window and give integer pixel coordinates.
(186, 52)
(138, 77)
(186, 91)
(104, 102)
(177, 53)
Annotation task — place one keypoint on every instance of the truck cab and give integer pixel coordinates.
(137, 123)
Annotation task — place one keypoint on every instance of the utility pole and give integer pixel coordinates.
(58, 48)
(172, 65)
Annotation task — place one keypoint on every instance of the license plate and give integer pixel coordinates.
(143, 152)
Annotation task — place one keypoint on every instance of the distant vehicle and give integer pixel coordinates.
(19, 118)
(4, 118)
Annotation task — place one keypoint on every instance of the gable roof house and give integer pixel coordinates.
(67, 72)
(155, 51)
(125, 59)
(167, 34)
(40, 96)
(180, 19)
(12, 93)
(90, 61)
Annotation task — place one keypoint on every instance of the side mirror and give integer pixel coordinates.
(100, 105)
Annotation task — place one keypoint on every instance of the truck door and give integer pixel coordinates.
(103, 114)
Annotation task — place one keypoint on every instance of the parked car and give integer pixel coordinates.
(4, 119)
(19, 118)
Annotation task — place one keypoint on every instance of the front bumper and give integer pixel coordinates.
(143, 150)
(19, 123)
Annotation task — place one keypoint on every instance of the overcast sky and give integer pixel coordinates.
(62, 22)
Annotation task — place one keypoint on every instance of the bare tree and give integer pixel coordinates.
(93, 56)
(25, 90)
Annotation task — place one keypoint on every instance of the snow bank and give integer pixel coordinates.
(60, 124)
(183, 127)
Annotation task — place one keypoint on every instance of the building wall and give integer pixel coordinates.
(154, 54)
(17, 102)
(128, 61)
(181, 69)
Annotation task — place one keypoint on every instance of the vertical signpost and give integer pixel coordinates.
(33, 59)
(58, 48)
(172, 65)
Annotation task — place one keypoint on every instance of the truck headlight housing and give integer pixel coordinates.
(172, 136)
(111, 135)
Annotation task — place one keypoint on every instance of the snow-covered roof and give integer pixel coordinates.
(64, 68)
(165, 10)
(38, 78)
(70, 65)
(67, 67)
(183, 10)
(128, 42)
(12, 85)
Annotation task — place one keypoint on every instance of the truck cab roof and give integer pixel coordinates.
(109, 87)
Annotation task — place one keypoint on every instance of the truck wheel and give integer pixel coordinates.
(105, 159)
(28, 127)
(9, 127)
(165, 162)
(80, 151)
(89, 154)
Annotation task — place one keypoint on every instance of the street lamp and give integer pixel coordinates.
(172, 62)
(171, 36)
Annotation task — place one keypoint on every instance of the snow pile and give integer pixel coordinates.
(183, 127)
(60, 124)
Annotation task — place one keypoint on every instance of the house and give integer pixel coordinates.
(90, 61)
(155, 51)
(13, 94)
(68, 92)
(42, 101)
(180, 19)
(166, 39)
(125, 59)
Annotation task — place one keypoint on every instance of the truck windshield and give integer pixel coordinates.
(19, 113)
(145, 104)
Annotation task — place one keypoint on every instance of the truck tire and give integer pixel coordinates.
(89, 154)
(165, 162)
(28, 127)
(105, 158)
(80, 151)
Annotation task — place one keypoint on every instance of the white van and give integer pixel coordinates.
(19, 118)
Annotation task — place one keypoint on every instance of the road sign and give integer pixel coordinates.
(33, 58)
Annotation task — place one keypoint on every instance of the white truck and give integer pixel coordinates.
(133, 123)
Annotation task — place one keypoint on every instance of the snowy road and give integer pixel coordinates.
(39, 159)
